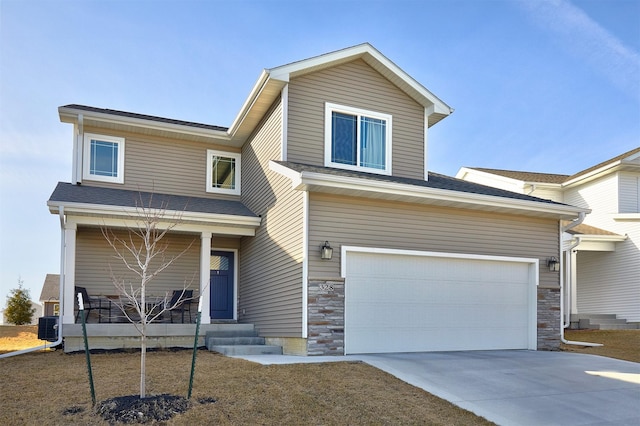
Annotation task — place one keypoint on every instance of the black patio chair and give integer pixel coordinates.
(183, 299)
(92, 303)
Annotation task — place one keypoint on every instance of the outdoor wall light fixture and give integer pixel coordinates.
(326, 252)
(553, 264)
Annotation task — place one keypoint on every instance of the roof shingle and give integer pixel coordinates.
(68, 193)
(146, 117)
(436, 180)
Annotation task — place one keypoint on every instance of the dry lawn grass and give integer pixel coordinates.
(619, 344)
(52, 388)
(14, 338)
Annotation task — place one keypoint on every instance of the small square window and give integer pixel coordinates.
(103, 158)
(223, 172)
(356, 139)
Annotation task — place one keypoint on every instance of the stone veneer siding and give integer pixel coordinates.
(325, 316)
(548, 319)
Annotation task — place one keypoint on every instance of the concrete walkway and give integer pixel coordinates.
(514, 387)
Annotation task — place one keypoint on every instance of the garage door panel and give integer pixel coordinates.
(417, 315)
(439, 339)
(406, 303)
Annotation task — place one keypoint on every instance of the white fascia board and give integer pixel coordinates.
(635, 217)
(367, 51)
(248, 103)
(464, 171)
(598, 237)
(303, 180)
(284, 72)
(607, 168)
(70, 115)
(464, 256)
(84, 209)
(191, 228)
(295, 177)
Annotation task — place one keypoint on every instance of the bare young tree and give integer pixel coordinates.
(143, 252)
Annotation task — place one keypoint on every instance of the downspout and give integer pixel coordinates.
(564, 324)
(61, 298)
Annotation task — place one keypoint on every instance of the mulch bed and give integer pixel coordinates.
(133, 409)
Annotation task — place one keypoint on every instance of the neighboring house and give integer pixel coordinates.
(602, 255)
(314, 217)
(50, 295)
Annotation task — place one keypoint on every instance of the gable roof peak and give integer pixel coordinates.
(629, 155)
(374, 58)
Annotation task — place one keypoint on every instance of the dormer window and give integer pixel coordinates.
(103, 158)
(223, 172)
(357, 139)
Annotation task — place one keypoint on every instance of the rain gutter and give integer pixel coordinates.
(564, 324)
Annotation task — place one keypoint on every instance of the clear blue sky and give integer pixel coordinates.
(548, 86)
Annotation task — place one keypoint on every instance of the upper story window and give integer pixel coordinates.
(357, 139)
(103, 158)
(223, 172)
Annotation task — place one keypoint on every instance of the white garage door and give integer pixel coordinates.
(397, 302)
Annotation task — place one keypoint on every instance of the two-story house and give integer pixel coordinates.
(314, 217)
(602, 254)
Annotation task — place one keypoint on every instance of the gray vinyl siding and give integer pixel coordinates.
(354, 84)
(164, 166)
(374, 223)
(95, 262)
(224, 243)
(629, 193)
(270, 290)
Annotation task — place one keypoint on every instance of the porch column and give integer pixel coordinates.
(69, 272)
(205, 268)
(574, 281)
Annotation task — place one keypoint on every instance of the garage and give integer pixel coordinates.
(410, 301)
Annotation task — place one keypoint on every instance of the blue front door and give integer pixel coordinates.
(221, 284)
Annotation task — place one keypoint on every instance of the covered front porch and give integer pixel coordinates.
(202, 237)
(589, 274)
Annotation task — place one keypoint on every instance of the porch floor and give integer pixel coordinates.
(159, 335)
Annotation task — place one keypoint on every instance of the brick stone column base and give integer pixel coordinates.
(325, 316)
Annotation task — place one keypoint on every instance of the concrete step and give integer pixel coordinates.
(238, 340)
(609, 321)
(247, 330)
(626, 326)
(231, 350)
(586, 324)
(601, 322)
(595, 316)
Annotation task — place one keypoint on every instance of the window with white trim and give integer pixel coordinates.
(357, 139)
(103, 158)
(223, 172)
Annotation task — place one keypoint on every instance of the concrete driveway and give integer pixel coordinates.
(515, 387)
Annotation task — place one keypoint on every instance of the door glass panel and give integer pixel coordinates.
(219, 263)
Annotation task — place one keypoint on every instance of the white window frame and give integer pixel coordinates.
(331, 108)
(236, 156)
(86, 164)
